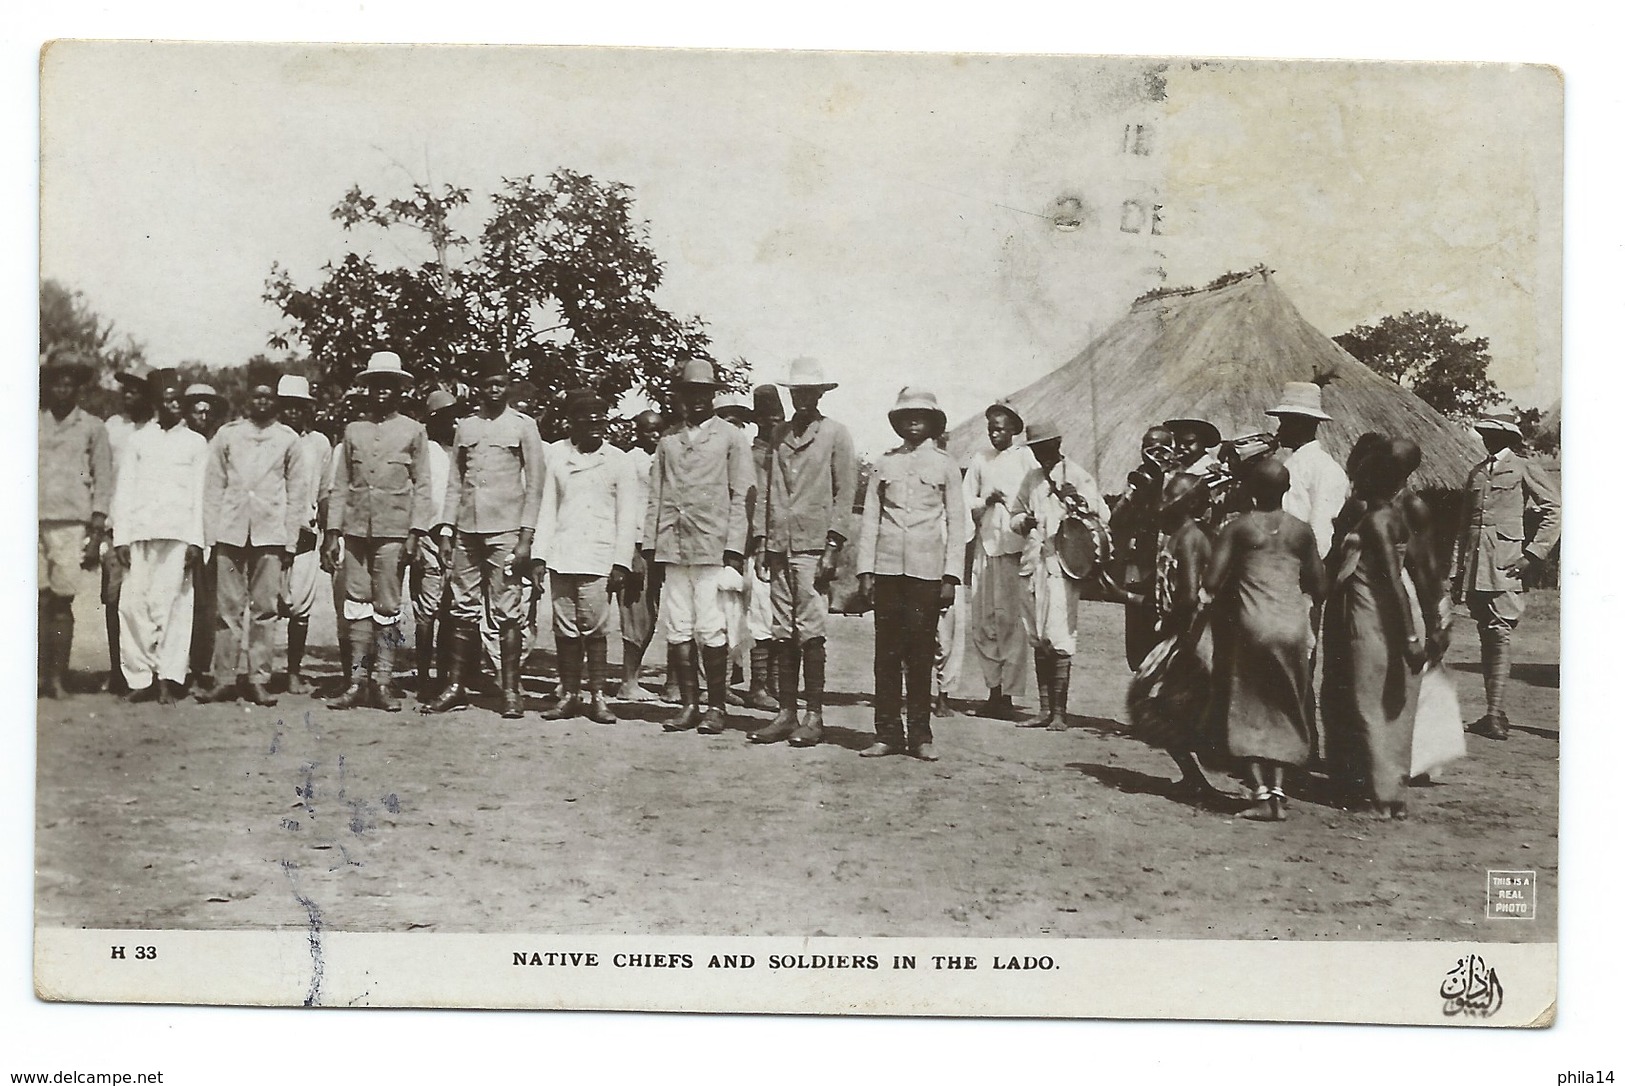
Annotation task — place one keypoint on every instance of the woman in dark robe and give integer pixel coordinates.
(1375, 648)
(1168, 695)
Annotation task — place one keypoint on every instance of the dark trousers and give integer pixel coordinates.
(204, 611)
(905, 650)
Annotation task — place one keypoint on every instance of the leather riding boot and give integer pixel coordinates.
(1060, 687)
(683, 661)
(715, 660)
(423, 649)
(513, 699)
(346, 652)
(761, 677)
(357, 689)
(49, 683)
(598, 711)
(1044, 668)
(461, 642)
(811, 729)
(115, 672)
(787, 657)
(385, 640)
(672, 692)
(570, 665)
(1497, 658)
(298, 632)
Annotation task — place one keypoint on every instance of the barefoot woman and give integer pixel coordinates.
(1266, 575)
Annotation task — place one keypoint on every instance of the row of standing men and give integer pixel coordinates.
(477, 508)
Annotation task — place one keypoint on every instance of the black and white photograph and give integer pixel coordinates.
(819, 532)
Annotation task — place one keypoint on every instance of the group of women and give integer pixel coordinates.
(1244, 608)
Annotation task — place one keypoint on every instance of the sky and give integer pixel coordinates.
(892, 216)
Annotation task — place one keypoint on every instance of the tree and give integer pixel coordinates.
(1430, 355)
(1541, 430)
(68, 323)
(561, 283)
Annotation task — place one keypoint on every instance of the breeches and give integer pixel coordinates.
(480, 581)
(800, 609)
(692, 605)
(580, 604)
(1051, 613)
(372, 579)
(61, 550)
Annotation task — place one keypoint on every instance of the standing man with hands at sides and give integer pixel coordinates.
(991, 481)
(251, 517)
(293, 395)
(695, 527)
(812, 475)
(1494, 552)
(75, 492)
(428, 577)
(492, 501)
(585, 533)
(136, 404)
(382, 507)
(911, 549)
(1050, 615)
(158, 538)
(639, 602)
(205, 413)
(768, 413)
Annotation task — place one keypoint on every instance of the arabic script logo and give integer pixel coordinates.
(1471, 988)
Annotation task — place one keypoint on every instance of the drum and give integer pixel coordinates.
(1081, 544)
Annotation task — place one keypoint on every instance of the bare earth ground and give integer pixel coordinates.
(224, 817)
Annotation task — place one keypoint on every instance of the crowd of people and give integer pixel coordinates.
(1244, 566)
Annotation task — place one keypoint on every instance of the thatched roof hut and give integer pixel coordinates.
(1222, 353)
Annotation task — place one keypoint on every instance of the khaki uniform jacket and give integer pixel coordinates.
(497, 471)
(250, 491)
(913, 516)
(1492, 534)
(590, 513)
(381, 483)
(698, 484)
(75, 466)
(811, 485)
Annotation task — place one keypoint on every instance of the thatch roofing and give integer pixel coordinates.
(1223, 354)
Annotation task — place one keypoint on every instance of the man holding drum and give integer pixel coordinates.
(1056, 491)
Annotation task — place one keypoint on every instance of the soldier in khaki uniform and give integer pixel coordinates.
(1493, 552)
(298, 408)
(911, 554)
(696, 527)
(251, 516)
(492, 499)
(381, 506)
(75, 492)
(809, 484)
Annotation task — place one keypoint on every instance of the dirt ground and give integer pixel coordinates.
(233, 817)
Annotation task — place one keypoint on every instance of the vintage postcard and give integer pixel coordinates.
(837, 533)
